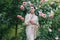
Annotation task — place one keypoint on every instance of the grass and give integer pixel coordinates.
(11, 33)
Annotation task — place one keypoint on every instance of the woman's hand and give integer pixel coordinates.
(26, 24)
(32, 22)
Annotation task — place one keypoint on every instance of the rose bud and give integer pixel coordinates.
(31, 5)
(19, 16)
(21, 7)
(24, 3)
(44, 15)
(40, 13)
(51, 14)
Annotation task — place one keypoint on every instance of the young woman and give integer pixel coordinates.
(31, 22)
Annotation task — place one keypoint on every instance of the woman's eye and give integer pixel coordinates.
(32, 8)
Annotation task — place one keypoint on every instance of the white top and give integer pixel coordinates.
(29, 17)
(31, 30)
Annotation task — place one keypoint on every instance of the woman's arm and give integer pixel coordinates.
(34, 22)
(26, 20)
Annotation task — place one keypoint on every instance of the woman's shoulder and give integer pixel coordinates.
(27, 14)
(36, 16)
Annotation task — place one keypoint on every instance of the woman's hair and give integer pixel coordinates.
(34, 7)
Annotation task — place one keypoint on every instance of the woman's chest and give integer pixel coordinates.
(32, 17)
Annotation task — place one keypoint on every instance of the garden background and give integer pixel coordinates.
(12, 28)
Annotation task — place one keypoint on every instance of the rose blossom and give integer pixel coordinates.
(24, 3)
(22, 7)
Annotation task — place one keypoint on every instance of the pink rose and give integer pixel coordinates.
(51, 15)
(19, 16)
(22, 7)
(40, 13)
(44, 15)
(24, 3)
(22, 19)
(31, 5)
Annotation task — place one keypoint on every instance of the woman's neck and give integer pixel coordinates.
(33, 13)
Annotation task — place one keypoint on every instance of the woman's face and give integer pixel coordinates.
(32, 10)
